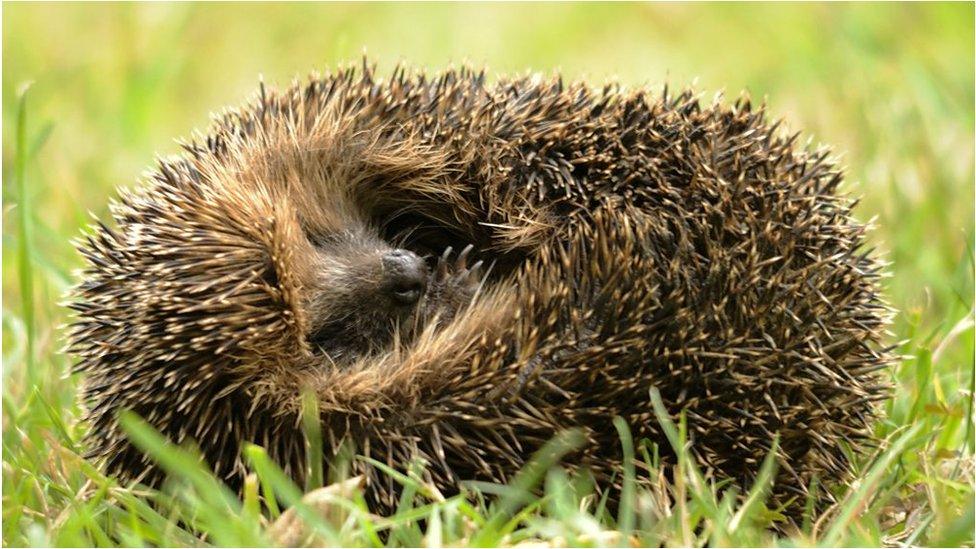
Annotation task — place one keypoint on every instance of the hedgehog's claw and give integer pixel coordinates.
(476, 268)
(462, 260)
(458, 270)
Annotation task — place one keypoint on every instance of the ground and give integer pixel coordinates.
(92, 92)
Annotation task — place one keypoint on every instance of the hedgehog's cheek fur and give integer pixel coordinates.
(347, 337)
(348, 310)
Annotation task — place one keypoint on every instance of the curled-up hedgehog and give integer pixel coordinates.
(458, 269)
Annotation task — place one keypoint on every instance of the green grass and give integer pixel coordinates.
(891, 86)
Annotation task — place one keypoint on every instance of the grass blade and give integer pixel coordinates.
(524, 482)
(25, 269)
(626, 515)
(858, 499)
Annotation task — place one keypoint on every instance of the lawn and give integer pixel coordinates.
(91, 93)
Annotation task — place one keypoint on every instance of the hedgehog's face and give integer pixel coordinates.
(363, 294)
(360, 292)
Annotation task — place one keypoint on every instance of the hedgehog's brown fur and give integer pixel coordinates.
(636, 242)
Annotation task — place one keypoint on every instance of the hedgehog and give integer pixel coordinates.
(459, 268)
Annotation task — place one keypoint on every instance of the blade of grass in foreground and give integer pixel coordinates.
(216, 509)
(312, 430)
(857, 499)
(626, 515)
(759, 491)
(677, 436)
(25, 269)
(523, 483)
(277, 484)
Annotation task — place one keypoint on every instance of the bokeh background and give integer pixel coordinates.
(889, 86)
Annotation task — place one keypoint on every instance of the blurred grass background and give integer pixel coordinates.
(890, 86)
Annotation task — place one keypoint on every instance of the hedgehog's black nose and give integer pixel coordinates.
(406, 275)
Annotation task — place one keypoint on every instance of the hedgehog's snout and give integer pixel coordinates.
(361, 294)
(405, 276)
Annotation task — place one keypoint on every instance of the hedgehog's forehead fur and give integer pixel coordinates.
(635, 242)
